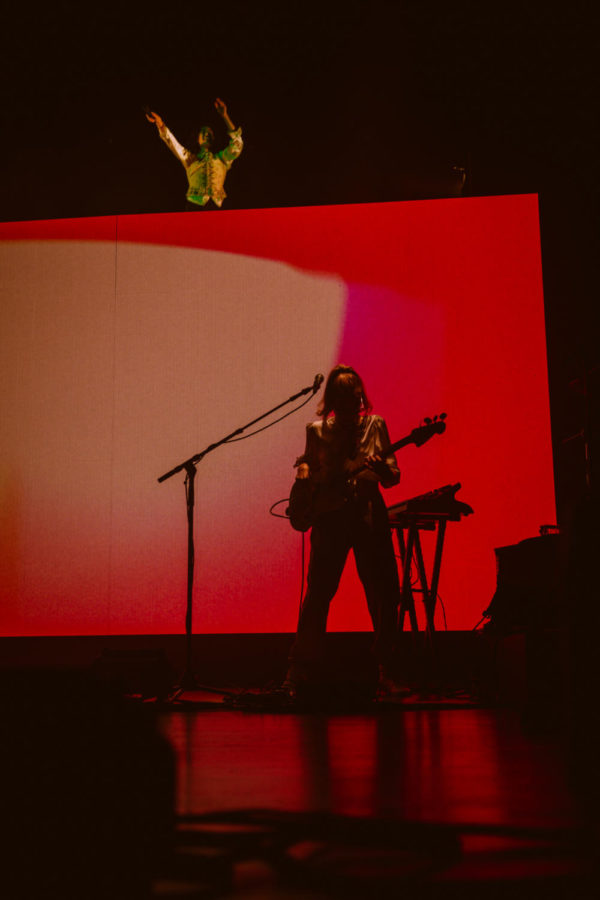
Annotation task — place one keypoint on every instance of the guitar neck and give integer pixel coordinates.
(397, 445)
(417, 436)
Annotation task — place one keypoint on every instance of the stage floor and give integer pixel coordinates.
(453, 766)
(499, 795)
(420, 797)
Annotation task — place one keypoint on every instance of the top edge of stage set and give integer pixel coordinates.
(262, 209)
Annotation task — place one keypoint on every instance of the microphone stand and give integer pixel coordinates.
(188, 679)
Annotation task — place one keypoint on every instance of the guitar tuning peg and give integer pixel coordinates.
(443, 416)
(427, 421)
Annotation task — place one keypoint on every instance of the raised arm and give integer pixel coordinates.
(170, 140)
(236, 144)
(222, 110)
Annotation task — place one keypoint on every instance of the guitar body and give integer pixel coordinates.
(301, 508)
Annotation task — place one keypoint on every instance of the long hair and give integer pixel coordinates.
(347, 373)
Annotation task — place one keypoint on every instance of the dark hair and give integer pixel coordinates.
(327, 404)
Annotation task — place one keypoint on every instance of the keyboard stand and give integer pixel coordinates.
(408, 527)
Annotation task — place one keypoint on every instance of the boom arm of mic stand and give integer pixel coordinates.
(198, 456)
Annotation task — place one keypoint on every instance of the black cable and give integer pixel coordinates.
(413, 581)
(413, 562)
(270, 425)
(439, 597)
(278, 515)
(301, 580)
(303, 555)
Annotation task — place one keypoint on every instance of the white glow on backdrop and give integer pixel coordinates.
(113, 389)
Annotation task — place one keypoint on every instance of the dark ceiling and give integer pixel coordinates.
(339, 102)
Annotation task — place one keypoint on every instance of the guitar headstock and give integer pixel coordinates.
(423, 433)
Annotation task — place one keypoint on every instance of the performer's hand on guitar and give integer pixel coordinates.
(303, 472)
(377, 465)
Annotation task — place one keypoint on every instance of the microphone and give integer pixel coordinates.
(319, 379)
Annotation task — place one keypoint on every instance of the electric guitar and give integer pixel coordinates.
(302, 496)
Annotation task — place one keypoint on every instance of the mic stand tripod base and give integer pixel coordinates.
(187, 682)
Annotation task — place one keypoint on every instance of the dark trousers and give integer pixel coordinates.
(361, 526)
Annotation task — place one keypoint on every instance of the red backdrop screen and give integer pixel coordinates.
(130, 343)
